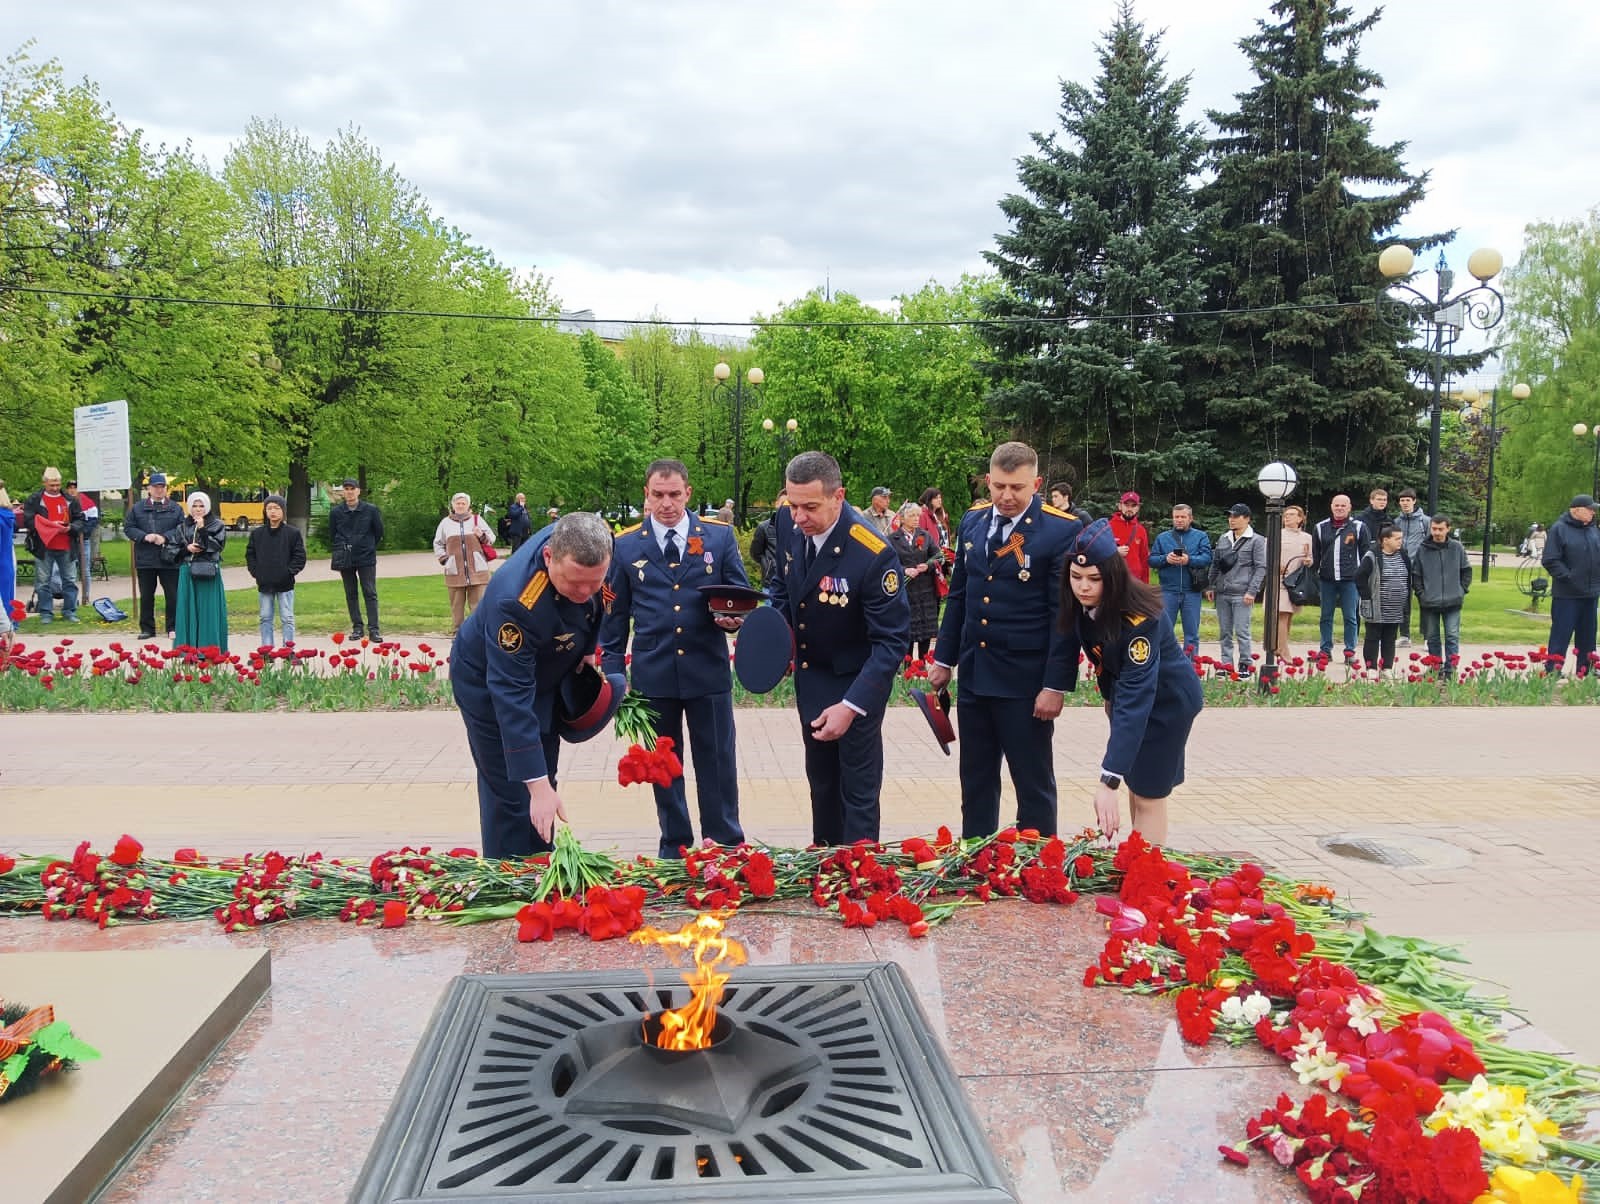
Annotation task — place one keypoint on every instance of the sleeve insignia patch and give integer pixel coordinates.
(1139, 650)
(510, 638)
(891, 583)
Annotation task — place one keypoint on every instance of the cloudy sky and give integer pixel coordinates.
(711, 159)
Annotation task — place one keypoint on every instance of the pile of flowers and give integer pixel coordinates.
(650, 758)
(1436, 1104)
(1407, 1090)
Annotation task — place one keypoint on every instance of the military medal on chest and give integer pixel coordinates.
(1024, 572)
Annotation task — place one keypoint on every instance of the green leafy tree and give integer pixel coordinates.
(1299, 365)
(1553, 316)
(622, 413)
(1098, 257)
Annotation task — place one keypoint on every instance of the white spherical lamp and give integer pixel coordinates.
(1276, 481)
(722, 372)
(1396, 261)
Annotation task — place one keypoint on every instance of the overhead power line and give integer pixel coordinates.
(304, 307)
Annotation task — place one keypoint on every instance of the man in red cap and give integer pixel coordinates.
(1133, 539)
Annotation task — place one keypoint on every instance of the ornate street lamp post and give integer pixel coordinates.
(1580, 430)
(1443, 317)
(784, 436)
(1276, 482)
(755, 376)
(1473, 413)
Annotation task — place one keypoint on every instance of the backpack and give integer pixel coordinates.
(109, 611)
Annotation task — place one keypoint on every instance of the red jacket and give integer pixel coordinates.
(1132, 532)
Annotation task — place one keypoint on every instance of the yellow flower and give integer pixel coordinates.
(1513, 1185)
(1506, 1124)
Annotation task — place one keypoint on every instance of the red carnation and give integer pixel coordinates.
(394, 914)
(127, 851)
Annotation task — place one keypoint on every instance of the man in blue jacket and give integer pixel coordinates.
(539, 617)
(838, 585)
(1182, 560)
(1001, 638)
(680, 651)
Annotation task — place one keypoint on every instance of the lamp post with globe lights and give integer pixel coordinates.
(784, 437)
(755, 376)
(1582, 430)
(1444, 317)
(1276, 482)
(1473, 413)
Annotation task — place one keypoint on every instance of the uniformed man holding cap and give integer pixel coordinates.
(659, 573)
(538, 620)
(1000, 636)
(838, 585)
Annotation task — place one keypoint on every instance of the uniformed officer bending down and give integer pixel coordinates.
(1000, 634)
(839, 586)
(680, 654)
(540, 616)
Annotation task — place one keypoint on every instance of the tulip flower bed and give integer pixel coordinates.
(354, 675)
(1409, 1091)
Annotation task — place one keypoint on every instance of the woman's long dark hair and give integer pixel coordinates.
(928, 495)
(1121, 593)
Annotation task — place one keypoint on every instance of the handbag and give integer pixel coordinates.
(1303, 585)
(1200, 578)
(203, 570)
(341, 557)
(489, 553)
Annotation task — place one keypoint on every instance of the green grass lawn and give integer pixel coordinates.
(420, 605)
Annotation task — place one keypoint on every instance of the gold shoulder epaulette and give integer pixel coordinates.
(1049, 509)
(1135, 620)
(534, 588)
(980, 505)
(629, 530)
(867, 538)
(715, 522)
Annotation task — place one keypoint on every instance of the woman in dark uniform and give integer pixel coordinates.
(1152, 693)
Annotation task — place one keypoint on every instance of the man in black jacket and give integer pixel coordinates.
(519, 523)
(1572, 558)
(1337, 545)
(275, 555)
(354, 531)
(1441, 575)
(149, 525)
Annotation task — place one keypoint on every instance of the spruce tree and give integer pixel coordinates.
(1099, 255)
(1300, 365)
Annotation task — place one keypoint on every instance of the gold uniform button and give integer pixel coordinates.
(982, 644)
(988, 578)
(675, 607)
(680, 651)
(675, 587)
(802, 605)
(986, 600)
(680, 630)
(805, 664)
(982, 622)
(802, 627)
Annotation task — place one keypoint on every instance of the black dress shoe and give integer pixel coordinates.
(377, 636)
(357, 631)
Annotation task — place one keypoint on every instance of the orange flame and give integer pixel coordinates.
(689, 1027)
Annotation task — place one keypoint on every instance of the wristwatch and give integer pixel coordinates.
(1111, 780)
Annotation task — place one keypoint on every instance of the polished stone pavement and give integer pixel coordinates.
(1086, 1094)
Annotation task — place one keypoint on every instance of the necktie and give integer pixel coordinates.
(810, 555)
(672, 547)
(999, 536)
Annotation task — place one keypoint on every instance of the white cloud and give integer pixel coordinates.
(711, 158)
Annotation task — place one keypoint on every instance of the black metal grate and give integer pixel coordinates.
(829, 1087)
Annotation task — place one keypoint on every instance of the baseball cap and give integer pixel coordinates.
(157, 478)
(1131, 496)
(1239, 508)
(882, 491)
(350, 483)
(1584, 500)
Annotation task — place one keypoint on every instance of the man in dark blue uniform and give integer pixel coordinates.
(838, 584)
(539, 618)
(680, 651)
(1000, 635)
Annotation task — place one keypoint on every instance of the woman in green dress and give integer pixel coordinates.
(202, 607)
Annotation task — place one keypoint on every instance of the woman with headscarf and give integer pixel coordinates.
(1149, 684)
(459, 542)
(202, 620)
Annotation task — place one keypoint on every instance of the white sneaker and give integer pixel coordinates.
(1403, 642)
